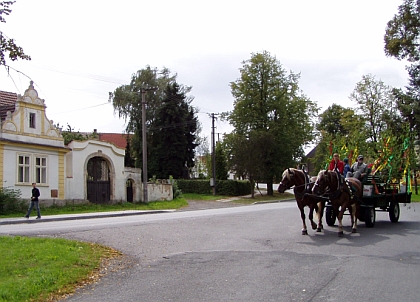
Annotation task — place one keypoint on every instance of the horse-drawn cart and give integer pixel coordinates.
(377, 196)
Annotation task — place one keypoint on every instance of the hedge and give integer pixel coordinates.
(223, 187)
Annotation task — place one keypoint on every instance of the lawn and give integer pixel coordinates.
(92, 207)
(32, 268)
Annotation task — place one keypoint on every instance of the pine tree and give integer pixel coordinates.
(172, 135)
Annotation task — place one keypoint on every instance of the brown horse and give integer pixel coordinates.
(302, 187)
(343, 194)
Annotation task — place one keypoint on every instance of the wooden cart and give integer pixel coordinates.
(377, 196)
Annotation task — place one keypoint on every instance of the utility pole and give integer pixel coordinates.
(144, 140)
(213, 145)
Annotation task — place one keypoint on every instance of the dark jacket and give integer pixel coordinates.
(35, 194)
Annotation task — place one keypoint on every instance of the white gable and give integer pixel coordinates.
(29, 123)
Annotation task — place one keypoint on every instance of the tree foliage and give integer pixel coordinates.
(402, 42)
(340, 130)
(70, 134)
(8, 45)
(171, 123)
(375, 129)
(402, 32)
(271, 113)
(220, 162)
(172, 139)
(376, 106)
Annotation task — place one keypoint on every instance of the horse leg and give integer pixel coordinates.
(350, 207)
(340, 221)
(354, 220)
(311, 216)
(302, 215)
(319, 213)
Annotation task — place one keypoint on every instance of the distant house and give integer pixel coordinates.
(310, 157)
(32, 150)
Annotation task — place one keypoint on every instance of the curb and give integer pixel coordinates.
(8, 221)
(273, 201)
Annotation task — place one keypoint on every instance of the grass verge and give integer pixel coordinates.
(32, 268)
(91, 207)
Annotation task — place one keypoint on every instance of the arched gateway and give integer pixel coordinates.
(98, 180)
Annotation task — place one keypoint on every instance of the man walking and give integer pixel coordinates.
(34, 202)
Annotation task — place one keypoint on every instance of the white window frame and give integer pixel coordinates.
(41, 169)
(30, 171)
(32, 120)
(24, 169)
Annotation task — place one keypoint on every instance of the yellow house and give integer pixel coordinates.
(31, 148)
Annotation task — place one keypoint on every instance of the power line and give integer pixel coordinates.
(86, 76)
(107, 103)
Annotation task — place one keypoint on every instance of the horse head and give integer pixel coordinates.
(293, 177)
(287, 180)
(321, 183)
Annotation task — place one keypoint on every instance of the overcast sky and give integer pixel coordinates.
(83, 49)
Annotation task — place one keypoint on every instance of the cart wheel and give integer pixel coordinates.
(394, 211)
(330, 216)
(370, 216)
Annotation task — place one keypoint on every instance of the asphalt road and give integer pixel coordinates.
(249, 253)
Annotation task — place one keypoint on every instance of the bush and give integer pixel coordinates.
(10, 201)
(224, 187)
(233, 187)
(175, 189)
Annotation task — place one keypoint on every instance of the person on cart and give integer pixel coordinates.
(337, 166)
(359, 169)
(346, 166)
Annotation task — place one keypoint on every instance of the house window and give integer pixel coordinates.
(41, 170)
(32, 168)
(23, 168)
(32, 120)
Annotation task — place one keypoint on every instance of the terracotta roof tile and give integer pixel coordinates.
(118, 139)
(7, 103)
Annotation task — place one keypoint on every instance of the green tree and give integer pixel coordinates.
(340, 132)
(220, 162)
(377, 107)
(172, 136)
(241, 156)
(402, 32)
(127, 101)
(70, 134)
(332, 121)
(402, 42)
(8, 45)
(269, 107)
(128, 159)
(374, 129)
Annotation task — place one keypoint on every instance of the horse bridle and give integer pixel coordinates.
(323, 188)
(291, 175)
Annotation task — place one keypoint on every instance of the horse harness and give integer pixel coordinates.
(307, 184)
(340, 188)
